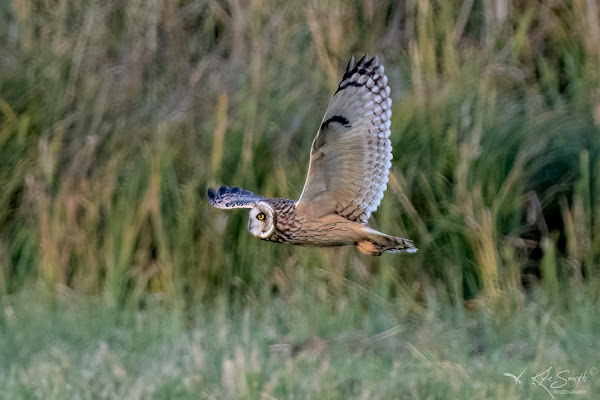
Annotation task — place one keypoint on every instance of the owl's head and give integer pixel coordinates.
(261, 221)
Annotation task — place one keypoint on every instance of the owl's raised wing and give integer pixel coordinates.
(235, 197)
(351, 154)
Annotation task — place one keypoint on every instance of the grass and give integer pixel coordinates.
(367, 348)
(114, 120)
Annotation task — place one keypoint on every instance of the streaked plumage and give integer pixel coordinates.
(348, 171)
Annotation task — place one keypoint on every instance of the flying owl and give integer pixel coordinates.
(348, 171)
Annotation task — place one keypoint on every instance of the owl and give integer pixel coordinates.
(347, 174)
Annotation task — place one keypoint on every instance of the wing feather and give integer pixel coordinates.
(351, 154)
(235, 197)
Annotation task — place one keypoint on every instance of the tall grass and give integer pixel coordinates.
(115, 118)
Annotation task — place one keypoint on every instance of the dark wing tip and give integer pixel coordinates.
(350, 64)
(362, 60)
(212, 194)
(217, 196)
(223, 190)
(373, 62)
(364, 66)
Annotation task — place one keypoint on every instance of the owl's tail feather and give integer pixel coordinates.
(377, 243)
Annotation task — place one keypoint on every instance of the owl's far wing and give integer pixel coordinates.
(351, 154)
(235, 197)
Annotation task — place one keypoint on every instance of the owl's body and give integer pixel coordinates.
(347, 175)
(291, 226)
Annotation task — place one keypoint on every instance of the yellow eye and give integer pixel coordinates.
(260, 216)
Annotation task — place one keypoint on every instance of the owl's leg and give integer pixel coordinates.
(369, 248)
(376, 243)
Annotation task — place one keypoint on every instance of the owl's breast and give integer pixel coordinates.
(299, 229)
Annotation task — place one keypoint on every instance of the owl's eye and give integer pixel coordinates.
(260, 216)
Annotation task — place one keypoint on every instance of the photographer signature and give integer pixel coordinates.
(547, 380)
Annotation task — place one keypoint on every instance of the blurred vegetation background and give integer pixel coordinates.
(116, 116)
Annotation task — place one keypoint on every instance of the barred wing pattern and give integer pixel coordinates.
(235, 197)
(351, 154)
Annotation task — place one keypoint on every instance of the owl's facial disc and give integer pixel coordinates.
(261, 221)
